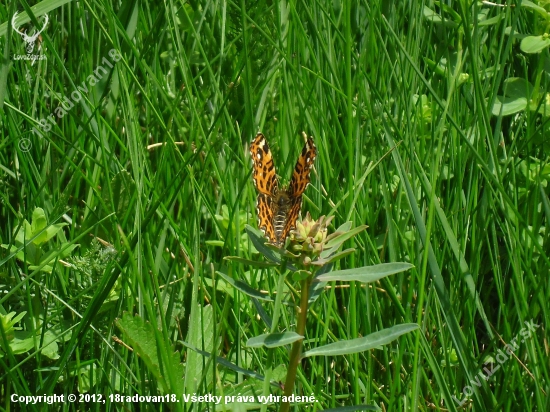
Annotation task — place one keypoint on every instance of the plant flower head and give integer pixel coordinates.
(309, 236)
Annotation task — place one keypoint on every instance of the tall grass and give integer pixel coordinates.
(150, 173)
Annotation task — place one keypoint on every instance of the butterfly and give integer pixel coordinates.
(278, 209)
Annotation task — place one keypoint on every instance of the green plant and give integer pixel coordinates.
(31, 239)
(310, 257)
(149, 155)
(30, 246)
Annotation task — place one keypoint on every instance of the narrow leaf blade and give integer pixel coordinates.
(366, 274)
(371, 341)
(273, 340)
(244, 288)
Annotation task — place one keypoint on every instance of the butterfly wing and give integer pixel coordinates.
(300, 176)
(265, 180)
(264, 208)
(264, 176)
(291, 217)
(298, 184)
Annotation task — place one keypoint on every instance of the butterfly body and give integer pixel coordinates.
(282, 204)
(277, 209)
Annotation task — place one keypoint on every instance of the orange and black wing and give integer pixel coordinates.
(300, 176)
(265, 180)
(264, 175)
(264, 208)
(298, 184)
(291, 218)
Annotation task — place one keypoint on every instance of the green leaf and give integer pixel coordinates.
(337, 241)
(11, 319)
(30, 254)
(24, 233)
(141, 337)
(186, 15)
(544, 107)
(50, 349)
(217, 243)
(8, 321)
(431, 15)
(534, 44)
(86, 375)
(437, 68)
(39, 223)
(200, 335)
(224, 362)
(45, 268)
(366, 274)
(530, 5)
(300, 275)
(517, 87)
(435, 18)
(22, 343)
(333, 258)
(52, 230)
(38, 10)
(505, 106)
(273, 340)
(53, 254)
(491, 21)
(66, 249)
(258, 240)
(344, 228)
(244, 288)
(371, 341)
(177, 370)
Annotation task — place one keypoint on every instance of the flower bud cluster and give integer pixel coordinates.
(309, 237)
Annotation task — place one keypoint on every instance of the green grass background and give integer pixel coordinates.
(153, 160)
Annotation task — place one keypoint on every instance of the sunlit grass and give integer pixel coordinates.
(150, 173)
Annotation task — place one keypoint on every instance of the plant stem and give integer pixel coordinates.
(275, 322)
(296, 350)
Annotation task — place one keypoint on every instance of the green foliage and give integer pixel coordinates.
(90, 265)
(430, 120)
(17, 344)
(141, 336)
(31, 239)
(317, 251)
(374, 340)
(16, 341)
(273, 340)
(229, 226)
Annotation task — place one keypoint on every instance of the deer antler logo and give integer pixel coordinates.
(29, 39)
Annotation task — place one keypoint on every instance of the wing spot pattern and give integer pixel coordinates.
(277, 209)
